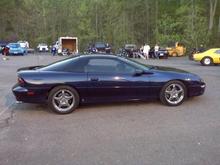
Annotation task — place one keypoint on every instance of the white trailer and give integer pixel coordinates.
(67, 43)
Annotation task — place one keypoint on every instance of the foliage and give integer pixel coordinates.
(114, 21)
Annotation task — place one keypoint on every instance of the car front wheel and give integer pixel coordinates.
(173, 93)
(63, 99)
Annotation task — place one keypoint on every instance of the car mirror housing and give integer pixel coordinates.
(138, 72)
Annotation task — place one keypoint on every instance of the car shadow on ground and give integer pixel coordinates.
(26, 107)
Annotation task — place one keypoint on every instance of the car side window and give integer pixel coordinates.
(217, 51)
(69, 65)
(76, 66)
(108, 66)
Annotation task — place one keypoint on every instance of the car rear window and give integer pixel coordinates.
(68, 65)
(14, 45)
(100, 45)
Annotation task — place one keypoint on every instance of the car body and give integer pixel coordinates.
(162, 53)
(130, 49)
(209, 57)
(24, 45)
(99, 47)
(42, 47)
(103, 78)
(15, 49)
(176, 51)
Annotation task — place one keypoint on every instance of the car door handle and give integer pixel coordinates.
(94, 79)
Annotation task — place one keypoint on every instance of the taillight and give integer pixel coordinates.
(20, 81)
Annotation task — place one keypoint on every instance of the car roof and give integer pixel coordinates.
(214, 49)
(99, 55)
(130, 44)
(14, 43)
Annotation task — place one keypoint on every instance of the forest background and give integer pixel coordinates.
(192, 22)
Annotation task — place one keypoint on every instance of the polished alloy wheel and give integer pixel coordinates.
(207, 61)
(174, 93)
(63, 100)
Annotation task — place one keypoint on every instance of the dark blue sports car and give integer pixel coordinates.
(103, 78)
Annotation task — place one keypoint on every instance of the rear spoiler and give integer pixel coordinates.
(30, 68)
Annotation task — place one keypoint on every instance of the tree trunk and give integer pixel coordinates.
(212, 10)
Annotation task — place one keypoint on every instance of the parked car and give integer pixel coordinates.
(195, 51)
(131, 49)
(42, 47)
(103, 78)
(162, 53)
(209, 57)
(177, 50)
(24, 45)
(15, 49)
(99, 47)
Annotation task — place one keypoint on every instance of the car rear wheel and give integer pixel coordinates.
(63, 99)
(173, 93)
(206, 61)
(174, 54)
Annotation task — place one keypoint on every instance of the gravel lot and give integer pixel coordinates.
(121, 134)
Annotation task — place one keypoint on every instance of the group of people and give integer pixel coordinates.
(146, 50)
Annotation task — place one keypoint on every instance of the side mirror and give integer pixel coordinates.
(138, 72)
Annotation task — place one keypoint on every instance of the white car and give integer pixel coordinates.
(24, 44)
(42, 47)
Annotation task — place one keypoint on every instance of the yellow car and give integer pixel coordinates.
(209, 57)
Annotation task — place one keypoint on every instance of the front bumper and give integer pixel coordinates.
(196, 90)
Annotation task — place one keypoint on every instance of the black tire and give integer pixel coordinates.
(206, 61)
(52, 103)
(174, 54)
(164, 93)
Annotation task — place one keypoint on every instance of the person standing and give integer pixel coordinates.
(5, 52)
(156, 49)
(54, 50)
(146, 50)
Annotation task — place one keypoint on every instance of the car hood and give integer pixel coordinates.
(168, 69)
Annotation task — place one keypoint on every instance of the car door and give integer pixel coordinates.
(111, 79)
(217, 56)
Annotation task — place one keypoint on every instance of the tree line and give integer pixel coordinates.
(192, 22)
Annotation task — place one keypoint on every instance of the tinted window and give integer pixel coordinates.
(68, 65)
(96, 65)
(100, 45)
(14, 45)
(217, 51)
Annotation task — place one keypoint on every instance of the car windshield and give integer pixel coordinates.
(130, 46)
(14, 45)
(100, 45)
(42, 45)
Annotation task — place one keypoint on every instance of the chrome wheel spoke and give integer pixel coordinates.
(68, 97)
(179, 91)
(59, 105)
(174, 93)
(63, 100)
(67, 104)
(168, 91)
(58, 97)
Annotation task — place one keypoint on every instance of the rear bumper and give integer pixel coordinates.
(196, 90)
(25, 95)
